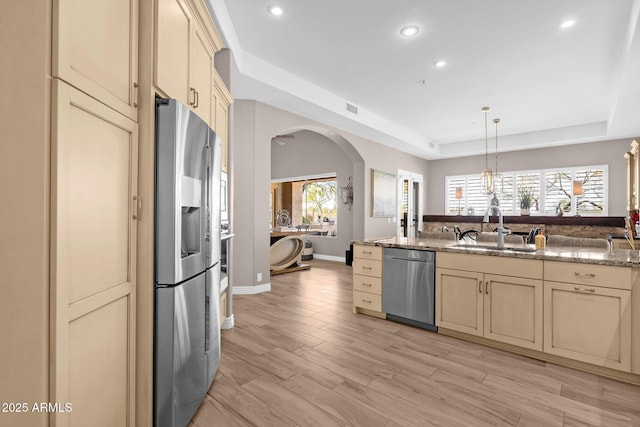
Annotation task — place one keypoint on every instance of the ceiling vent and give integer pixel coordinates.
(352, 108)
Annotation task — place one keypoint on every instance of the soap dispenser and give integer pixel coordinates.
(540, 242)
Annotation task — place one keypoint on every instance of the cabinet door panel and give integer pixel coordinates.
(95, 151)
(201, 74)
(93, 260)
(513, 311)
(459, 300)
(222, 126)
(589, 324)
(172, 38)
(100, 338)
(95, 49)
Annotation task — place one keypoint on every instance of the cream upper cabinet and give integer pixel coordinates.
(587, 313)
(95, 49)
(174, 23)
(221, 100)
(93, 260)
(201, 74)
(472, 298)
(184, 52)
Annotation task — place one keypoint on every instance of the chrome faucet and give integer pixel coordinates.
(494, 209)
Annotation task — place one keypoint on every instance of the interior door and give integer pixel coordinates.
(409, 203)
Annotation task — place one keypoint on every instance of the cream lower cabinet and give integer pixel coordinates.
(367, 280)
(495, 306)
(93, 260)
(587, 313)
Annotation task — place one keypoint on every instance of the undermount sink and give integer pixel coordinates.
(494, 247)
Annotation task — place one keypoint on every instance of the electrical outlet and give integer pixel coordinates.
(259, 277)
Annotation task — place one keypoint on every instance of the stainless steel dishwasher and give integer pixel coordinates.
(408, 287)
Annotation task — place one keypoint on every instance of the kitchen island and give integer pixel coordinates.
(571, 306)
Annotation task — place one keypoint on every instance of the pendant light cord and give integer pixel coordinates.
(486, 138)
(496, 121)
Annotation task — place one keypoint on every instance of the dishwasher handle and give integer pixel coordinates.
(411, 259)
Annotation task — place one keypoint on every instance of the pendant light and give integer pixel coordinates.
(498, 180)
(486, 178)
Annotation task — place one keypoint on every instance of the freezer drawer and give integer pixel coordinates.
(179, 352)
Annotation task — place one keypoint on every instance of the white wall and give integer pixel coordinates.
(596, 153)
(254, 124)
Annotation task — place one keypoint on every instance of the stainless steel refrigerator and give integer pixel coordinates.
(187, 262)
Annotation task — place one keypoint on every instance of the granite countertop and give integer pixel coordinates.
(618, 257)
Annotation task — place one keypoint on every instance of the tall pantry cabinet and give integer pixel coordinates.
(69, 167)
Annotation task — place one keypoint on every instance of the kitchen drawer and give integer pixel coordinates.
(588, 274)
(367, 300)
(505, 266)
(367, 267)
(367, 252)
(369, 284)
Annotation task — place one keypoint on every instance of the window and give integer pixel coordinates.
(309, 201)
(550, 190)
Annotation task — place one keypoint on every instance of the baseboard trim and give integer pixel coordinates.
(251, 290)
(330, 258)
(228, 323)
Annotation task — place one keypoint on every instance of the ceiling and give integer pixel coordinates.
(549, 86)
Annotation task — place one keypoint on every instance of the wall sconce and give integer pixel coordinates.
(346, 194)
(577, 191)
(459, 197)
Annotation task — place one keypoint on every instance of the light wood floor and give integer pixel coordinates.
(298, 356)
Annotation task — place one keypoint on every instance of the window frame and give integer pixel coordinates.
(451, 205)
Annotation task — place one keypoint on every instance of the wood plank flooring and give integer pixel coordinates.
(297, 356)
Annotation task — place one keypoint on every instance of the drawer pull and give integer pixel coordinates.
(587, 275)
(480, 286)
(367, 252)
(367, 301)
(584, 289)
(366, 284)
(366, 268)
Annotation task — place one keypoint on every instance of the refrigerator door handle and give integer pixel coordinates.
(207, 321)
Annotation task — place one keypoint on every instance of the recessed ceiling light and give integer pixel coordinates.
(409, 30)
(567, 24)
(276, 10)
(440, 63)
